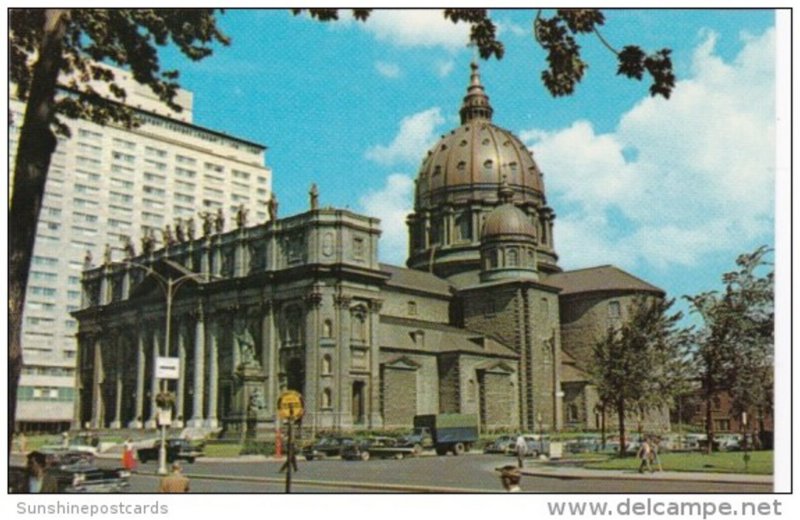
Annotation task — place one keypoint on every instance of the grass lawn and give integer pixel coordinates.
(723, 462)
(222, 449)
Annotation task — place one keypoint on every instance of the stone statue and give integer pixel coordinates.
(241, 216)
(166, 236)
(130, 251)
(313, 197)
(272, 207)
(245, 345)
(148, 242)
(87, 260)
(107, 255)
(179, 234)
(219, 222)
(190, 228)
(208, 223)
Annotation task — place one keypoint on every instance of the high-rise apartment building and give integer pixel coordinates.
(107, 184)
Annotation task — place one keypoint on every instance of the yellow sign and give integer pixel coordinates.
(290, 405)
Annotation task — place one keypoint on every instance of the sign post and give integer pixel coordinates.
(290, 407)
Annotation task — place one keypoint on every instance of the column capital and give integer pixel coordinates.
(313, 299)
(375, 305)
(342, 301)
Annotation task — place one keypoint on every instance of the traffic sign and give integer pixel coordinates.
(290, 405)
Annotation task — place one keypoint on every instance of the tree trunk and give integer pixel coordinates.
(621, 419)
(36, 146)
(709, 425)
(603, 426)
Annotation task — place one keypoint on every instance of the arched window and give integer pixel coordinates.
(294, 325)
(326, 398)
(358, 323)
(512, 258)
(327, 329)
(326, 366)
(463, 227)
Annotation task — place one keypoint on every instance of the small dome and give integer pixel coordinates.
(506, 221)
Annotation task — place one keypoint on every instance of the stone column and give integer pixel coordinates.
(180, 406)
(375, 416)
(77, 403)
(156, 343)
(140, 367)
(98, 377)
(199, 370)
(342, 400)
(120, 366)
(213, 376)
(269, 352)
(312, 386)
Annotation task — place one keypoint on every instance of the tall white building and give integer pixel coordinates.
(106, 184)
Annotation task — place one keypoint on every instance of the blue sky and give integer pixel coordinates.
(671, 191)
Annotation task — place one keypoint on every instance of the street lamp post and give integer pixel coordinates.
(170, 286)
(541, 431)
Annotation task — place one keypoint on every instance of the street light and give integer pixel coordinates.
(170, 286)
(541, 432)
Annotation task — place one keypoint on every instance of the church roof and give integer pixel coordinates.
(438, 338)
(572, 374)
(597, 279)
(416, 280)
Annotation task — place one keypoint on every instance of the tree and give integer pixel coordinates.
(639, 365)
(557, 36)
(735, 348)
(62, 50)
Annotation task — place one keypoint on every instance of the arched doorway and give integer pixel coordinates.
(358, 402)
(295, 374)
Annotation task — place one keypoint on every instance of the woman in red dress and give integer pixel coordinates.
(128, 458)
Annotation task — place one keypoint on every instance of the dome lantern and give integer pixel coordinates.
(476, 102)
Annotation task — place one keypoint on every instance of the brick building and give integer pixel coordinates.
(482, 320)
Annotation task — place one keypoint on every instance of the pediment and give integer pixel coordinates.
(496, 367)
(402, 363)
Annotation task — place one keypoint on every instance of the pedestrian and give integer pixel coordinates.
(39, 478)
(175, 482)
(22, 443)
(520, 448)
(128, 455)
(510, 477)
(644, 456)
(65, 439)
(655, 460)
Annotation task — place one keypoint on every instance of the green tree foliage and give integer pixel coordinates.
(640, 365)
(557, 36)
(61, 50)
(734, 351)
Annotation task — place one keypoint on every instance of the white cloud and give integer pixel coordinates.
(391, 204)
(678, 179)
(416, 133)
(507, 26)
(417, 28)
(444, 68)
(388, 70)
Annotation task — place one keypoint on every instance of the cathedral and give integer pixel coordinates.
(481, 320)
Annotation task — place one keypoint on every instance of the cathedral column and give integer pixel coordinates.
(117, 422)
(199, 370)
(375, 416)
(312, 386)
(139, 394)
(155, 349)
(98, 377)
(180, 405)
(343, 403)
(77, 404)
(268, 354)
(213, 375)
(448, 224)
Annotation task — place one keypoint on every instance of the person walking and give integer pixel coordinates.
(39, 478)
(128, 455)
(655, 460)
(644, 454)
(521, 449)
(175, 482)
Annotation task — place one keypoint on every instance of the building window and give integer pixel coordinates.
(358, 324)
(327, 329)
(326, 367)
(614, 310)
(512, 258)
(412, 308)
(325, 402)
(572, 413)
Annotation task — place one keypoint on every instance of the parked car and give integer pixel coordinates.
(355, 449)
(503, 444)
(324, 447)
(74, 472)
(177, 449)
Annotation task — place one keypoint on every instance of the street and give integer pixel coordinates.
(473, 473)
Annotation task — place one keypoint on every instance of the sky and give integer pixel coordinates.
(669, 190)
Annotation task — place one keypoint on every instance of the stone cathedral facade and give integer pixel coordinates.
(482, 320)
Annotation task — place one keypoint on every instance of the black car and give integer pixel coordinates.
(356, 449)
(325, 447)
(177, 449)
(74, 472)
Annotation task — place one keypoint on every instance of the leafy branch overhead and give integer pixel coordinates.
(128, 38)
(557, 36)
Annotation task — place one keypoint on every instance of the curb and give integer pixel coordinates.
(717, 478)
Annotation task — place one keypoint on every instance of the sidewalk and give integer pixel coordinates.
(539, 469)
